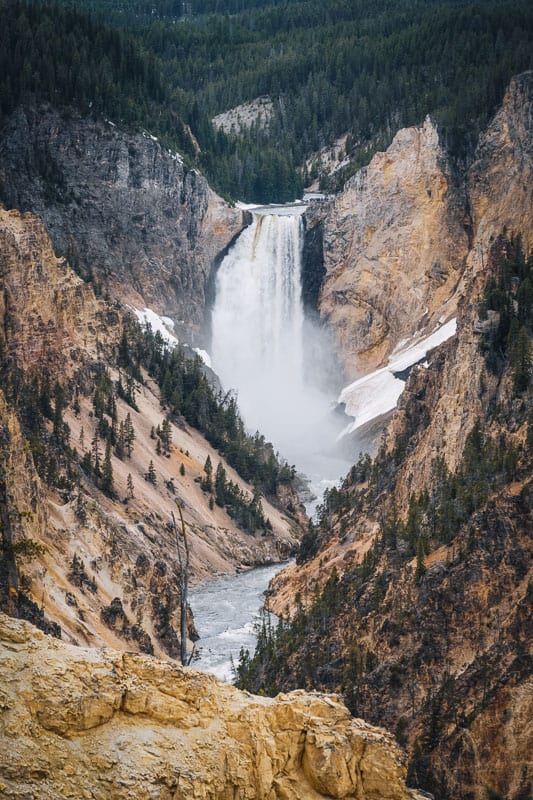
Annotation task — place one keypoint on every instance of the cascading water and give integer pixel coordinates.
(264, 348)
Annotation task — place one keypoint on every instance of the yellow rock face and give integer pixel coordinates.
(82, 723)
(395, 244)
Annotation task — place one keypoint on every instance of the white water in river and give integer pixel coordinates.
(265, 349)
(225, 612)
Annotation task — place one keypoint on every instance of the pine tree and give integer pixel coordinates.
(182, 468)
(81, 509)
(129, 434)
(107, 470)
(207, 482)
(121, 441)
(166, 436)
(95, 456)
(123, 356)
(420, 561)
(129, 392)
(220, 485)
(521, 361)
(130, 487)
(151, 476)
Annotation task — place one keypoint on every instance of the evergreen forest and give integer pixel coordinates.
(329, 68)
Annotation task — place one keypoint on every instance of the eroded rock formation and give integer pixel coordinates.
(395, 243)
(76, 722)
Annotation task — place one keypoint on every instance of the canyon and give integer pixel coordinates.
(438, 643)
(54, 326)
(443, 660)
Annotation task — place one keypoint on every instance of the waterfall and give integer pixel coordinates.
(258, 315)
(262, 347)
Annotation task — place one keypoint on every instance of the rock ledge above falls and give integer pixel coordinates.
(77, 722)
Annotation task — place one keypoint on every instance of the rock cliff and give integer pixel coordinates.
(47, 313)
(86, 723)
(395, 243)
(121, 206)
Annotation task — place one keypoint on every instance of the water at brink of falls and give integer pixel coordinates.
(265, 349)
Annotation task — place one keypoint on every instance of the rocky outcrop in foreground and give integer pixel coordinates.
(78, 723)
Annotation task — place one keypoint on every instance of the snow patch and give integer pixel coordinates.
(164, 325)
(204, 355)
(377, 393)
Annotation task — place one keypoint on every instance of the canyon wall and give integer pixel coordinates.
(395, 243)
(121, 207)
(425, 622)
(396, 239)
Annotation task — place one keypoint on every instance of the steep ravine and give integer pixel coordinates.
(426, 623)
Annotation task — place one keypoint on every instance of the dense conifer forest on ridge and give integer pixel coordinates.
(365, 69)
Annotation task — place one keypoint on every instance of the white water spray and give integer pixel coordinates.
(265, 349)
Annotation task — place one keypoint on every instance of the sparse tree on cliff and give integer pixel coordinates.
(207, 482)
(166, 436)
(129, 434)
(107, 470)
(151, 476)
(95, 456)
(420, 561)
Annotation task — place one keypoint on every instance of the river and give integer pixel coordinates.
(225, 612)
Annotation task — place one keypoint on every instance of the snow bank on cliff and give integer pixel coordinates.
(376, 394)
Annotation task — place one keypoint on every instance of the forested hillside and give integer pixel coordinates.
(360, 68)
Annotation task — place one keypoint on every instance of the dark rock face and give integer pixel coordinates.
(313, 268)
(120, 206)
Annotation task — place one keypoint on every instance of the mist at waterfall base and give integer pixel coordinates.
(264, 348)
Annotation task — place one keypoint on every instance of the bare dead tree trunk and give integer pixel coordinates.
(183, 558)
